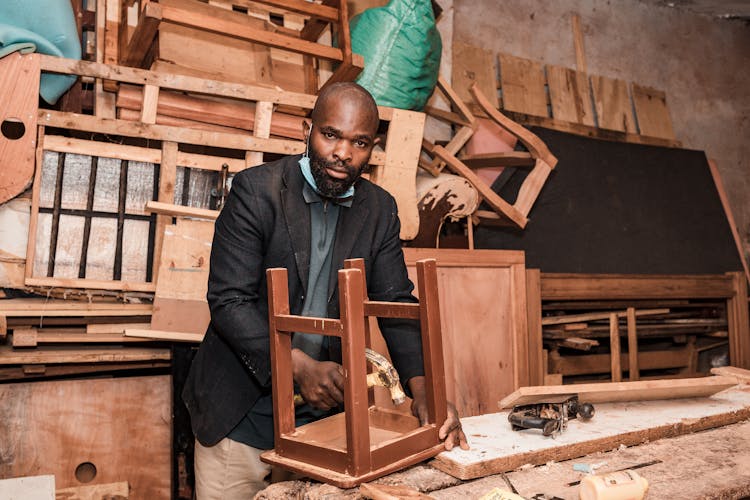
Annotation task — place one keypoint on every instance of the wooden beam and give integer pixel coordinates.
(580, 286)
(578, 318)
(162, 335)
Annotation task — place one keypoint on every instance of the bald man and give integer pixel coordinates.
(307, 213)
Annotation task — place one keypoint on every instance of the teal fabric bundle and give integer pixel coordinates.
(44, 26)
(401, 46)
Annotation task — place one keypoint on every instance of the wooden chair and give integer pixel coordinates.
(364, 442)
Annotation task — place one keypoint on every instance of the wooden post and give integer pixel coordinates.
(633, 371)
(281, 352)
(351, 291)
(614, 342)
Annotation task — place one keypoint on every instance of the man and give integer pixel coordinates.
(308, 214)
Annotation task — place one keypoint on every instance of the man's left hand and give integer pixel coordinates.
(451, 432)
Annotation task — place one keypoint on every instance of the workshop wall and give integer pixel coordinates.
(702, 63)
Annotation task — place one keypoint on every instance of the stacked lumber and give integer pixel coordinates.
(53, 338)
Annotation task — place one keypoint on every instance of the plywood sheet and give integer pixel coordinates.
(473, 64)
(496, 448)
(612, 102)
(652, 112)
(122, 426)
(483, 320)
(570, 95)
(522, 83)
(641, 390)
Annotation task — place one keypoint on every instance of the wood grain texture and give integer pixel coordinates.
(570, 95)
(19, 81)
(522, 83)
(122, 426)
(496, 448)
(483, 323)
(474, 66)
(652, 112)
(612, 104)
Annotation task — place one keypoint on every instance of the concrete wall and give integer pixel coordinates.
(702, 63)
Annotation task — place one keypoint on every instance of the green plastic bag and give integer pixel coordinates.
(401, 46)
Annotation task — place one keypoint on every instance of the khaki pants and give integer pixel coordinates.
(229, 470)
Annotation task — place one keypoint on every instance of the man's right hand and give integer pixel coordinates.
(321, 383)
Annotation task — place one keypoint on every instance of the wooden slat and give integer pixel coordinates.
(578, 318)
(522, 84)
(140, 333)
(652, 112)
(47, 355)
(126, 286)
(320, 326)
(614, 348)
(612, 103)
(149, 103)
(537, 368)
(511, 159)
(570, 95)
(557, 286)
(633, 369)
(143, 36)
(474, 66)
(173, 210)
(608, 392)
(578, 43)
(314, 10)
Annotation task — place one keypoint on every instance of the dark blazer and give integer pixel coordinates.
(264, 224)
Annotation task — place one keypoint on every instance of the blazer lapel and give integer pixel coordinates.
(350, 224)
(297, 218)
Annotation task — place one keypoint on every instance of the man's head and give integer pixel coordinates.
(341, 136)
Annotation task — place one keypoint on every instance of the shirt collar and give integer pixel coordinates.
(311, 196)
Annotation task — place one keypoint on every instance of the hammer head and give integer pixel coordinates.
(385, 376)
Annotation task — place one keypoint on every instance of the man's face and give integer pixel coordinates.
(341, 141)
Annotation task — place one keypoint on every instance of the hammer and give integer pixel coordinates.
(385, 375)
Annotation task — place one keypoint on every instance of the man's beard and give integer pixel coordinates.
(327, 185)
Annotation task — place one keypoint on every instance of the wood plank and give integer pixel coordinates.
(578, 43)
(149, 103)
(633, 370)
(652, 112)
(19, 81)
(69, 354)
(741, 375)
(163, 335)
(398, 175)
(95, 422)
(612, 104)
(173, 210)
(54, 307)
(570, 95)
(716, 175)
(510, 159)
(561, 286)
(578, 318)
(611, 392)
(614, 348)
(99, 328)
(496, 448)
(125, 286)
(474, 66)
(180, 298)
(522, 83)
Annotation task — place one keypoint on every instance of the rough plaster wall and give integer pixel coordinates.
(702, 63)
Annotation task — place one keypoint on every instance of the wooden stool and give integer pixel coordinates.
(364, 442)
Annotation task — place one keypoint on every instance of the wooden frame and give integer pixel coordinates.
(333, 12)
(363, 443)
(731, 287)
(390, 167)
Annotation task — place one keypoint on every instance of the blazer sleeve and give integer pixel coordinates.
(239, 312)
(388, 281)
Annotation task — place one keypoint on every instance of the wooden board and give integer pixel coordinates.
(652, 112)
(19, 97)
(180, 299)
(483, 319)
(570, 95)
(522, 84)
(122, 426)
(118, 491)
(28, 488)
(612, 103)
(608, 392)
(474, 65)
(496, 448)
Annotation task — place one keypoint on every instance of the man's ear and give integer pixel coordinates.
(306, 129)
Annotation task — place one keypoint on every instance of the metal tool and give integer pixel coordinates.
(385, 375)
(550, 415)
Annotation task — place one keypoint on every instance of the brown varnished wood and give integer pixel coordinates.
(364, 442)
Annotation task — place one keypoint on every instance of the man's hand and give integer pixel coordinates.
(450, 432)
(321, 383)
